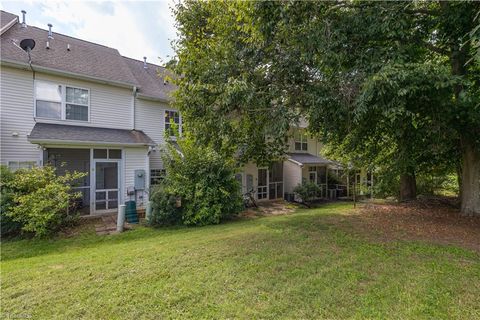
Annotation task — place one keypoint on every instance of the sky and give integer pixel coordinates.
(135, 28)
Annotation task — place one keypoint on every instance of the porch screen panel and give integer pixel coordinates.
(68, 160)
(322, 174)
(275, 188)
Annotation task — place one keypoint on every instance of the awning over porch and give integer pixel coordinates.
(307, 159)
(48, 133)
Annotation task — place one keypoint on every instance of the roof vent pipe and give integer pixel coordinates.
(24, 24)
(145, 63)
(50, 36)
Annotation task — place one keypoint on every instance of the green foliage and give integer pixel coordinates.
(204, 182)
(40, 199)
(8, 225)
(225, 93)
(164, 208)
(307, 191)
(383, 83)
(443, 184)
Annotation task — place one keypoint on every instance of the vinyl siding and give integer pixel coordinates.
(135, 158)
(150, 118)
(110, 107)
(16, 115)
(292, 175)
(313, 146)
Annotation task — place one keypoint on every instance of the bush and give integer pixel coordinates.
(203, 180)
(40, 199)
(307, 191)
(8, 226)
(164, 208)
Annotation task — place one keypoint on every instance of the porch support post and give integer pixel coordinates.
(92, 183)
(326, 181)
(371, 184)
(348, 183)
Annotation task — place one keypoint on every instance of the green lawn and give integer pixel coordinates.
(297, 266)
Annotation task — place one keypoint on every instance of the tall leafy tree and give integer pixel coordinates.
(390, 82)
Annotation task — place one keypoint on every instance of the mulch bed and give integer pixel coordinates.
(435, 220)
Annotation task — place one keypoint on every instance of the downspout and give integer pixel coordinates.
(133, 106)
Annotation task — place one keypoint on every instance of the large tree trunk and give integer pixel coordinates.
(408, 187)
(470, 187)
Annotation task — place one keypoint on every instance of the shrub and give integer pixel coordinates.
(41, 199)
(164, 208)
(8, 227)
(307, 191)
(203, 180)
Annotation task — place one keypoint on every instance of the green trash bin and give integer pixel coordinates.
(131, 212)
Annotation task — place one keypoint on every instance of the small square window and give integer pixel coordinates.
(172, 116)
(100, 153)
(114, 154)
(156, 176)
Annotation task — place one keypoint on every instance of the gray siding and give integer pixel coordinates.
(135, 158)
(110, 107)
(150, 118)
(16, 114)
(292, 174)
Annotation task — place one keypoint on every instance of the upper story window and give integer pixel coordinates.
(76, 107)
(172, 116)
(56, 101)
(48, 100)
(300, 138)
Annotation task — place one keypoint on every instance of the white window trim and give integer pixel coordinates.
(34, 162)
(156, 176)
(179, 121)
(303, 140)
(63, 103)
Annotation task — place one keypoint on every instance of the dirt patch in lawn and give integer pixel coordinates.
(431, 220)
(270, 208)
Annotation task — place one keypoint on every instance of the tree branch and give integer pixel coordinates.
(423, 11)
(435, 49)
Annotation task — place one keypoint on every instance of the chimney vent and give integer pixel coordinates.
(47, 46)
(50, 36)
(145, 63)
(68, 46)
(24, 24)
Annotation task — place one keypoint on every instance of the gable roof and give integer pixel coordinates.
(6, 19)
(84, 59)
(152, 81)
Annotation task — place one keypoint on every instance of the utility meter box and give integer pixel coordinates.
(130, 191)
(140, 179)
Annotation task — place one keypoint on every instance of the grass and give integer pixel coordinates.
(296, 266)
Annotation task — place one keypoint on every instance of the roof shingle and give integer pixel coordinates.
(306, 158)
(59, 133)
(6, 18)
(83, 58)
(152, 81)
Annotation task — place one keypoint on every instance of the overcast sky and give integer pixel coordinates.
(135, 28)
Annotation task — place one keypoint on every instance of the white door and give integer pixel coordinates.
(107, 185)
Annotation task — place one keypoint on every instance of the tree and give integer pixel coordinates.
(360, 70)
